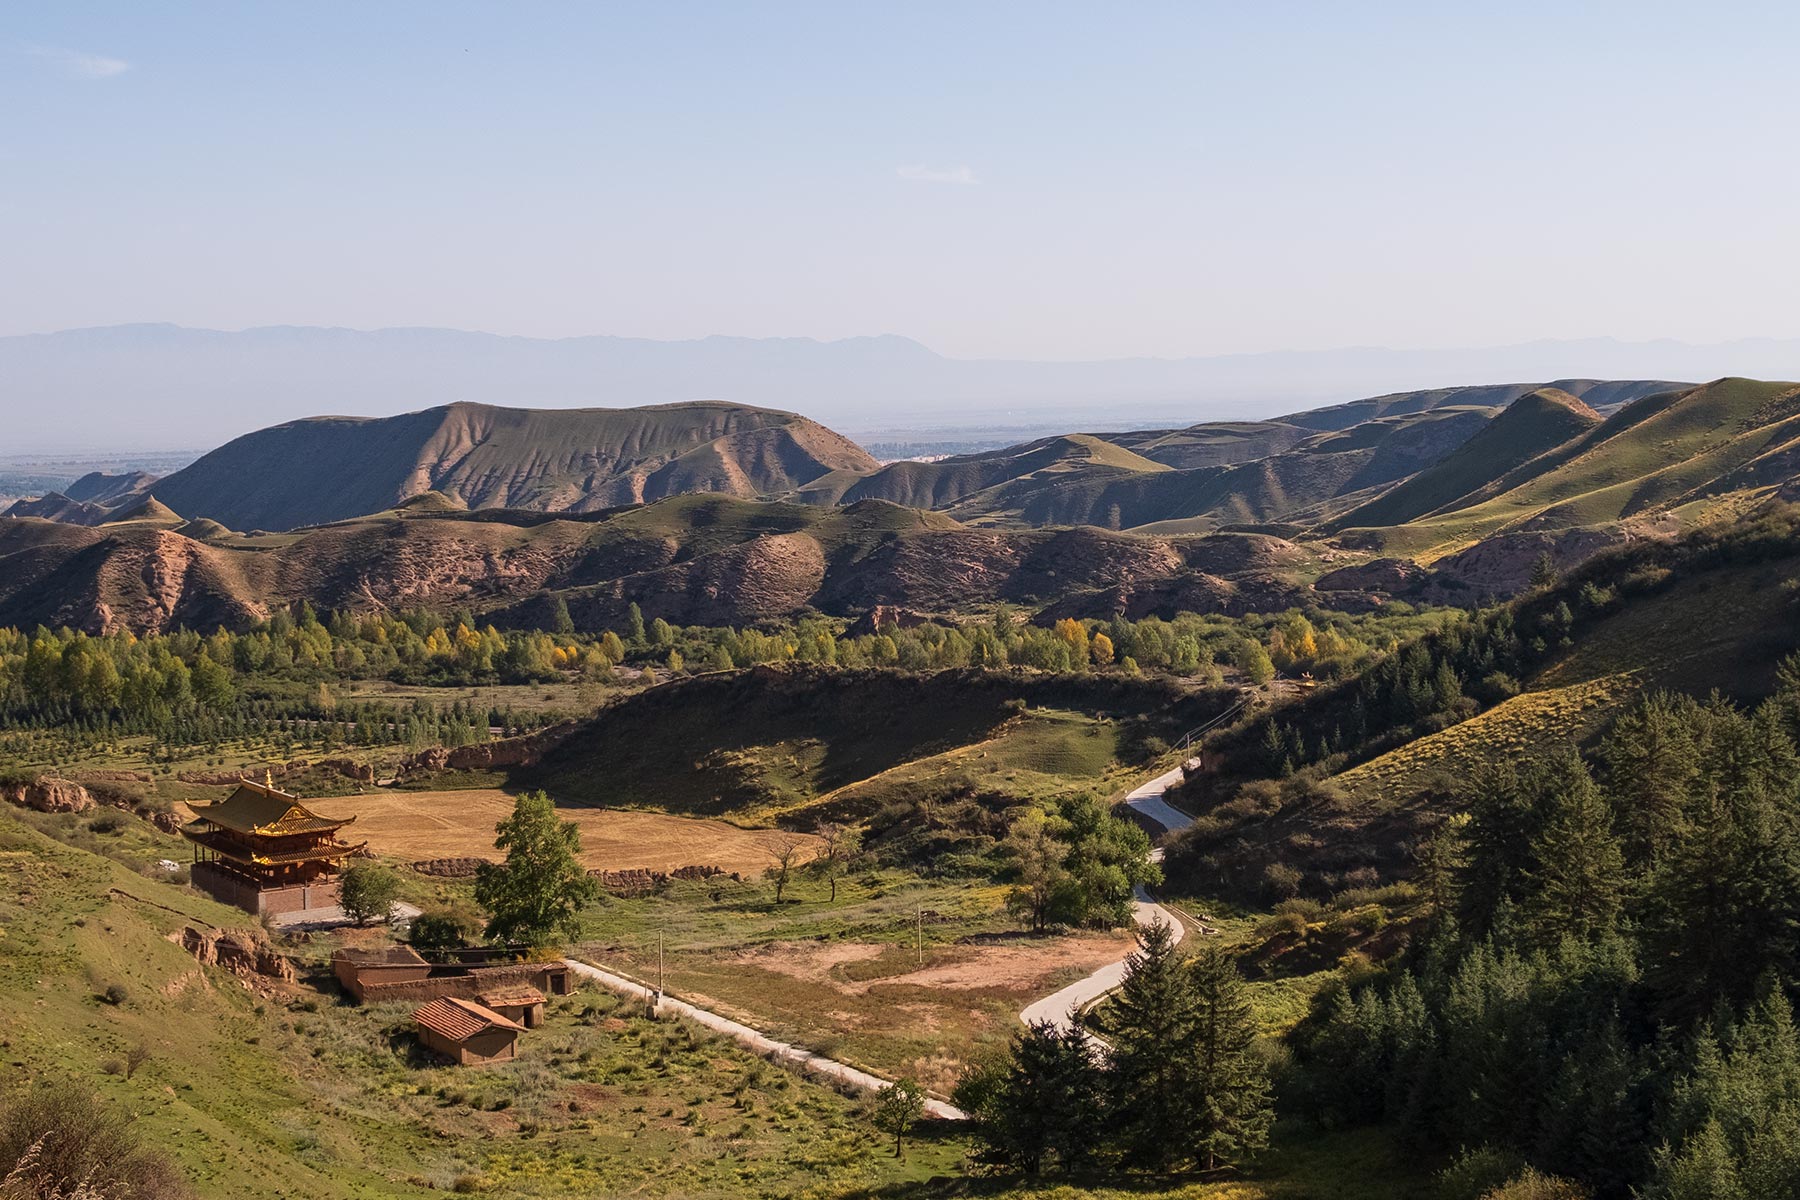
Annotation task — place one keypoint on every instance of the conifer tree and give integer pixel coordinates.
(1498, 837)
(1578, 879)
(1150, 1031)
(1050, 1103)
(1651, 759)
(1229, 1107)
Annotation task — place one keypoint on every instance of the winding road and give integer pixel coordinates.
(1059, 1009)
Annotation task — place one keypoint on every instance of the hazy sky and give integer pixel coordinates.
(1029, 180)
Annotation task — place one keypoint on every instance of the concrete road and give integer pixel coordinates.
(1061, 1009)
(1058, 1009)
(757, 1041)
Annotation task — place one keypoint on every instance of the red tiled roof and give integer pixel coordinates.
(460, 1020)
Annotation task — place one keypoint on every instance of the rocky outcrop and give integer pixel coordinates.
(50, 795)
(1394, 576)
(349, 769)
(243, 952)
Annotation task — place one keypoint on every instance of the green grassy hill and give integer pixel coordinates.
(1663, 453)
(1531, 425)
(794, 744)
(1713, 612)
(260, 1090)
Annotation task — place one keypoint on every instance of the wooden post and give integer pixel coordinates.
(921, 937)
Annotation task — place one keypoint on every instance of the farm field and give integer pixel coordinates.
(456, 824)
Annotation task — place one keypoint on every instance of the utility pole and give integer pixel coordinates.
(921, 937)
(659, 963)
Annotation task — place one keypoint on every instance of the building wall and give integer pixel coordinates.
(496, 1045)
(227, 888)
(356, 978)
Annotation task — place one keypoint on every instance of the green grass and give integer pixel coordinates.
(1640, 460)
(335, 1097)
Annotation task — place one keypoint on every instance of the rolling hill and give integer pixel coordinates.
(554, 460)
(1711, 451)
(689, 559)
(1535, 423)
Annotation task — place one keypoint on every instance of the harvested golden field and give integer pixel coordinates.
(419, 825)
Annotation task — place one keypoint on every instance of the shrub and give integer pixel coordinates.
(1307, 910)
(442, 929)
(1281, 880)
(110, 821)
(114, 993)
(61, 1141)
(1477, 1172)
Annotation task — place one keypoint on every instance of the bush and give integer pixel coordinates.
(61, 1141)
(1477, 1172)
(1281, 880)
(110, 821)
(114, 993)
(442, 929)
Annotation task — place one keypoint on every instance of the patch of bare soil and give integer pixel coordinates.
(1019, 963)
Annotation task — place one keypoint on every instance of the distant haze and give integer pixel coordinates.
(152, 387)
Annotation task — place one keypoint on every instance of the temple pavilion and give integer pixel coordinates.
(263, 851)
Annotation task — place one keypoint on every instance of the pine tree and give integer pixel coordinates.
(1229, 1107)
(1051, 1103)
(1151, 1032)
(1651, 759)
(1498, 836)
(1578, 881)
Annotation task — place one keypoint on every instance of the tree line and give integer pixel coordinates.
(1607, 992)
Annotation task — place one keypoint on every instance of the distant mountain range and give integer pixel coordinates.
(163, 386)
(713, 512)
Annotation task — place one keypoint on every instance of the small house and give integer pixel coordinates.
(523, 1004)
(467, 1033)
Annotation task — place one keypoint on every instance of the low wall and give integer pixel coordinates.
(466, 984)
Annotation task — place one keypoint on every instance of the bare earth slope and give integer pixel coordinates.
(689, 559)
(553, 460)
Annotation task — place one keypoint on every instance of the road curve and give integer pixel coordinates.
(1061, 1008)
(761, 1043)
(1058, 1009)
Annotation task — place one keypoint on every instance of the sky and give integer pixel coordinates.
(1032, 180)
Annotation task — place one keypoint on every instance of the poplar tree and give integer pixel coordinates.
(538, 891)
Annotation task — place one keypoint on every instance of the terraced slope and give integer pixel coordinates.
(1531, 425)
(552, 460)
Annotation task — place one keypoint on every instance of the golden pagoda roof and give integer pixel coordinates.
(264, 810)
